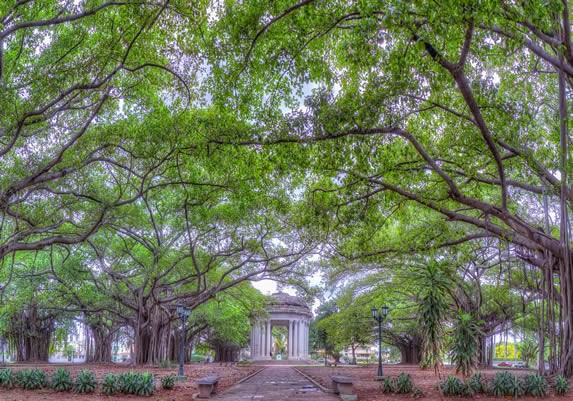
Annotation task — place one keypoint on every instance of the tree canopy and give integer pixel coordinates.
(160, 151)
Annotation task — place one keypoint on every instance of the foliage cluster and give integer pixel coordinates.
(502, 384)
(401, 384)
(136, 383)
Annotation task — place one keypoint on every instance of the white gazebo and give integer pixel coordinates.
(287, 311)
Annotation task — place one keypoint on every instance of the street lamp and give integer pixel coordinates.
(379, 316)
(183, 313)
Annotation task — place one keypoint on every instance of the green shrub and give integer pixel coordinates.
(453, 386)
(109, 384)
(477, 383)
(501, 384)
(142, 384)
(168, 382)
(7, 378)
(62, 380)
(403, 383)
(145, 384)
(535, 385)
(166, 364)
(31, 379)
(561, 385)
(85, 382)
(516, 387)
(127, 382)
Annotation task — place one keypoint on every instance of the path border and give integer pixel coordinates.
(317, 384)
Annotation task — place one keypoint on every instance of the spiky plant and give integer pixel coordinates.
(403, 383)
(168, 381)
(535, 385)
(109, 384)
(62, 380)
(477, 383)
(145, 384)
(85, 382)
(561, 385)
(464, 347)
(7, 378)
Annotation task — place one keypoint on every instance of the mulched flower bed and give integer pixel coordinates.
(183, 391)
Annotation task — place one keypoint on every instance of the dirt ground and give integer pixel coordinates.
(368, 389)
(183, 391)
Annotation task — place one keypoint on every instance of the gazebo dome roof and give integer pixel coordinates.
(286, 303)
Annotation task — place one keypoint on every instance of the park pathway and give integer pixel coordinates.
(276, 383)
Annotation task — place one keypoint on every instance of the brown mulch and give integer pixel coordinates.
(183, 391)
(368, 389)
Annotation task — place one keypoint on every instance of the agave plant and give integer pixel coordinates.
(477, 383)
(85, 382)
(145, 384)
(535, 385)
(7, 378)
(31, 379)
(168, 381)
(452, 386)
(403, 383)
(62, 380)
(561, 385)
(501, 384)
(109, 384)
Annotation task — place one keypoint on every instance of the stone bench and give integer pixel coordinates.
(342, 385)
(207, 386)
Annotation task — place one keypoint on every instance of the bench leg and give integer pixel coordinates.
(345, 388)
(205, 390)
(335, 387)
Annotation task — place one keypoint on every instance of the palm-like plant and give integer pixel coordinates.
(433, 306)
(464, 348)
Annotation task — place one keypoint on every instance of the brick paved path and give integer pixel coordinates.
(276, 383)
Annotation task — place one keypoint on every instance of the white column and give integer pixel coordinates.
(261, 340)
(258, 340)
(306, 335)
(269, 338)
(252, 342)
(289, 344)
(298, 341)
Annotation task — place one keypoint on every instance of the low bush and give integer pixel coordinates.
(7, 378)
(477, 383)
(146, 384)
(535, 385)
(168, 382)
(387, 386)
(452, 386)
(561, 385)
(31, 379)
(62, 380)
(142, 384)
(109, 384)
(403, 383)
(85, 382)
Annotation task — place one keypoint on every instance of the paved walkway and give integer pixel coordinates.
(276, 383)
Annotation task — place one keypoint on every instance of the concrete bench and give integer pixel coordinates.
(342, 385)
(207, 386)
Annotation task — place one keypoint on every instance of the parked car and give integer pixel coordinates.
(519, 365)
(504, 364)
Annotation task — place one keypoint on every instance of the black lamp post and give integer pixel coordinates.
(183, 313)
(379, 316)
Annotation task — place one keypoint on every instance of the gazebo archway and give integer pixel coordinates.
(287, 311)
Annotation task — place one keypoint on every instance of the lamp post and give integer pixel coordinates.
(183, 313)
(379, 316)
